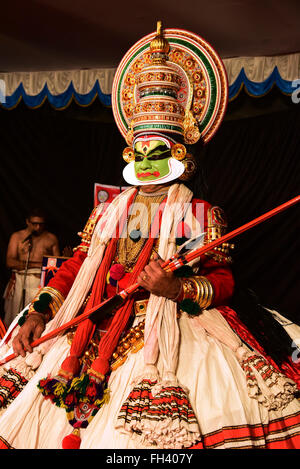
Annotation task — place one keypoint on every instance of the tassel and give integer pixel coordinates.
(158, 413)
(117, 271)
(176, 423)
(88, 397)
(164, 420)
(265, 384)
(54, 389)
(81, 397)
(135, 413)
(72, 441)
(70, 366)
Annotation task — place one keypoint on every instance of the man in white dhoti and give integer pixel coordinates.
(24, 257)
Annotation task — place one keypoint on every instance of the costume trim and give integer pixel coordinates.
(11, 384)
(216, 228)
(156, 415)
(87, 233)
(282, 433)
(4, 444)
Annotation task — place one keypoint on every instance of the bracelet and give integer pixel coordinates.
(48, 300)
(57, 300)
(199, 290)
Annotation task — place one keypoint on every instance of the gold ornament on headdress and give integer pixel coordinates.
(128, 154)
(191, 129)
(191, 132)
(129, 136)
(157, 81)
(178, 151)
(159, 45)
(158, 107)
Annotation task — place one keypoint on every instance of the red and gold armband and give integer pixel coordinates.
(217, 227)
(87, 233)
(48, 301)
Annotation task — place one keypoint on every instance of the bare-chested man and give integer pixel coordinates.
(25, 253)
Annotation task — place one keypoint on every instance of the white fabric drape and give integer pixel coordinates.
(58, 81)
(257, 69)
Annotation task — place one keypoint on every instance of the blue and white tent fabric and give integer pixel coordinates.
(257, 75)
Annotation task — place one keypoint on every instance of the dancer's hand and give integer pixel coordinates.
(159, 282)
(31, 330)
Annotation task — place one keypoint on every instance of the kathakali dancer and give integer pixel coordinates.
(174, 366)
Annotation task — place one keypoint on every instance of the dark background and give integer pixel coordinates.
(52, 159)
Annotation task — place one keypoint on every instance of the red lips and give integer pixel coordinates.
(143, 175)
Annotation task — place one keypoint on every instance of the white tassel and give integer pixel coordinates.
(265, 384)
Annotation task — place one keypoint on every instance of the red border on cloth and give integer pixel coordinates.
(270, 436)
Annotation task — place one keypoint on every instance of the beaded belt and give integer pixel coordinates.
(132, 342)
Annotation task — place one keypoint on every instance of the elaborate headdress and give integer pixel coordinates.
(171, 84)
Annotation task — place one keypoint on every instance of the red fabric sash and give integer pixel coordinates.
(110, 340)
(86, 329)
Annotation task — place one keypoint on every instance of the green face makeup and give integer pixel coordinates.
(151, 160)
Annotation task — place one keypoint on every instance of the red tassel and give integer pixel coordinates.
(71, 365)
(72, 441)
(117, 271)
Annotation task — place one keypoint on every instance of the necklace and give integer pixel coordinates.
(136, 231)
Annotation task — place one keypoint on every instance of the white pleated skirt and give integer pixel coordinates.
(207, 368)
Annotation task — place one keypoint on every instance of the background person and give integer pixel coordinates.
(25, 252)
